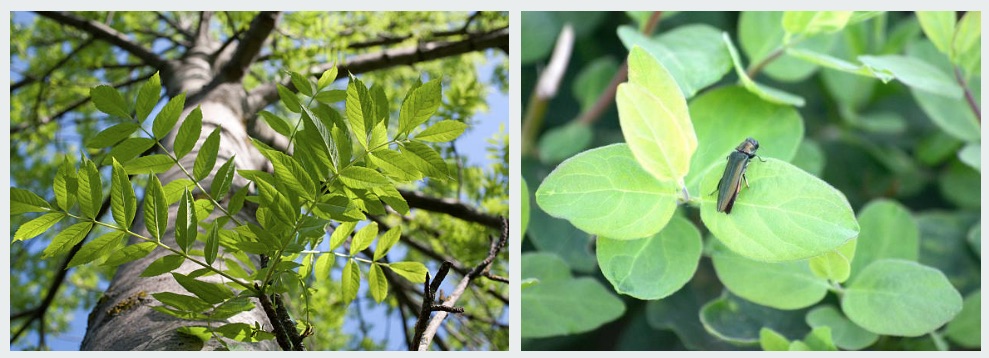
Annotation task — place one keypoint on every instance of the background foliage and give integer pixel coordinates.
(878, 253)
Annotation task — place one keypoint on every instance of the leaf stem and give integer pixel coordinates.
(968, 94)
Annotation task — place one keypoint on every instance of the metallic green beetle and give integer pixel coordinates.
(731, 181)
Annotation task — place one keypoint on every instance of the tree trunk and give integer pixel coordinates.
(123, 318)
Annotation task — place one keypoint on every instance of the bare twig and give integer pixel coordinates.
(433, 327)
(972, 104)
(450, 207)
(31, 79)
(108, 34)
(178, 28)
(546, 88)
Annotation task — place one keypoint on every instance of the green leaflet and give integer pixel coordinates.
(148, 97)
(151, 164)
(212, 244)
(65, 240)
(174, 189)
(155, 209)
(363, 238)
(123, 201)
(102, 246)
(163, 265)
(277, 123)
(322, 267)
(442, 131)
(419, 105)
(129, 253)
(301, 83)
(377, 283)
(189, 133)
(289, 98)
(224, 177)
(168, 116)
(90, 189)
(206, 158)
(112, 135)
(360, 113)
(37, 226)
(360, 177)
(185, 222)
(387, 240)
(425, 159)
(212, 293)
(23, 201)
(289, 172)
(129, 149)
(351, 281)
(341, 233)
(412, 271)
(327, 78)
(108, 100)
(66, 185)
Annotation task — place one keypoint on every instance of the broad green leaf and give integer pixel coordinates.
(163, 265)
(301, 83)
(155, 209)
(212, 293)
(680, 313)
(809, 23)
(971, 155)
(102, 246)
(740, 321)
(888, 232)
(394, 165)
(341, 233)
(781, 285)
(785, 214)
(377, 283)
(243, 332)
(289, 99)
(129, 253)
(939, 27)
(168, 116)
(769, 340)
(148, 97)
(90, 189)
(277, 123)
(188, 133)
(604, 191)
(654, 267)
(385, 243)
(174, 189)
(425, 159)
(525, 207)
(322, 267)
(129, 149)
(442, 131)
(108, 100)
(363, 238)
(65, 240)
(37, 226)
(350, 281)
(767, 93)
(559, 143)
(846, 334)
(123, 201)
(212, 244)
(654, 118)
(819, 339)
(952, 114)
(412, 271)
(900, 298)
(151, 164)
(23, 201)
(419, 105)
(975, 238)
(547, 308)
(185, 222)
(916, 74)
(327, 78)
(359, 110)
(810, 157)
(206, 158)
(112, 135)
(966, 47)
(65, 186)
(835, 265)
(694, 55)
(220, 186)
(361, 177)
(966, 328)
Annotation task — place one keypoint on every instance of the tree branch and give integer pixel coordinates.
(106, 33)
(450, 207)
(32, 79)
(249, 47)
(174, 25)
(266, 94)
(480, 269)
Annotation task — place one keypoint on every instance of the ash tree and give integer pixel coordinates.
(256, 181)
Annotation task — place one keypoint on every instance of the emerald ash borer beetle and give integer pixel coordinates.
(731, 181)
